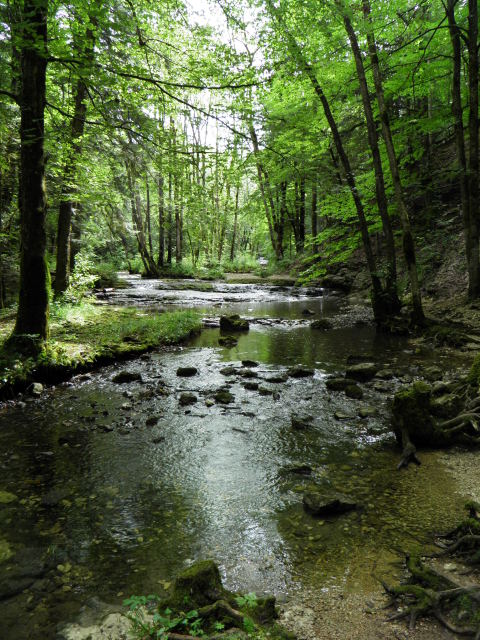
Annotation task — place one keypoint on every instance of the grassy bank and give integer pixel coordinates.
(86, 336)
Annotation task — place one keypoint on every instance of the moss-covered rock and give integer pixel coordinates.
(224, 397)
(233, 323)
(197, 586)
(322, 324)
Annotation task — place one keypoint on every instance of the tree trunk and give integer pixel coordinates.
(473, 169)
(32, 314)
(235, 223)
(391, 277)
(161, 221)
(314, 217)
(148, 218)
(169, 221)
(67, 194)
(457, 112)
(408, 244)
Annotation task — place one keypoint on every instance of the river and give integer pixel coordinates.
(118, 487)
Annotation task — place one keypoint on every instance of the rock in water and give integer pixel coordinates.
(127, 376)
(300, 372)
(249, 363)
(228, 371)
(339, 384)
(354, 391)
(186, 372)
(321, 325)
(301, 422)
(308, 312)
(224, 397)
(36, 389)
(320, 503)
(363, 371)
(187, 399)
(227, 341)
(233, 323)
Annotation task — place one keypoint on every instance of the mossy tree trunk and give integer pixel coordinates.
(32, 314)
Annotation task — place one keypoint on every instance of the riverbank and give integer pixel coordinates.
(86, 336)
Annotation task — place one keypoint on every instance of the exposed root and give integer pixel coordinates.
(431, 593)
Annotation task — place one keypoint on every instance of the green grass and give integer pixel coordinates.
(85, 335)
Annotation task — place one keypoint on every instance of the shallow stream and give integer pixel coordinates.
(118, 486)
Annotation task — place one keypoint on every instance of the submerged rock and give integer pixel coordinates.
(363, 371)
(248, 373)
(338, 384)
(301, 422)
(300, 372)
(367, 412)
(277, 378)
(233, 323)
(228, 371)
(297, 468)
(249, 363)
(250, 385)
(321, 325)
(308, 312)
(324, 503)
(127, 376)
(186, 372)
(227, 341)
(151, 421)
(265, 391)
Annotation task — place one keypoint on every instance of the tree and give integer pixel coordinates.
(32, 314)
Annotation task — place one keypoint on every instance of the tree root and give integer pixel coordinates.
(430, 593)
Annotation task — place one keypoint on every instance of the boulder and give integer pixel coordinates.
(325, 503)
(321, 325)
(151, 421)
(233, 323)
(362, 371)
(250, 385)
(186, 372)
(199, 585)
(265, 391)
(249, 363)
(385, 374)
(127, 376)
(308, 312)
(248, 373)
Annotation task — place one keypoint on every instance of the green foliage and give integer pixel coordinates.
(82, 280)
(247, 600)
(244, 263)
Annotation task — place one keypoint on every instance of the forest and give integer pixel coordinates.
(239, 286)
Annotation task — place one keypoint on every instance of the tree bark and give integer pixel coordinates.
(161, 221)
(67, 195)
(32, 314)
(314, 217)
(418, 316)
(457, 112)
(473, 169)
(235, 223)
(381, 197)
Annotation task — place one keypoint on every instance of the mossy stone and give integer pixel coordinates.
(233, 323)
(5, 551)
(354, 391)
(224, 397)
(197, 586)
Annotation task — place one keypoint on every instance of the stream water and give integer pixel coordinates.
(104, 503)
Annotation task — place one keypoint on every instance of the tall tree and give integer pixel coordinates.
(32, 314)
